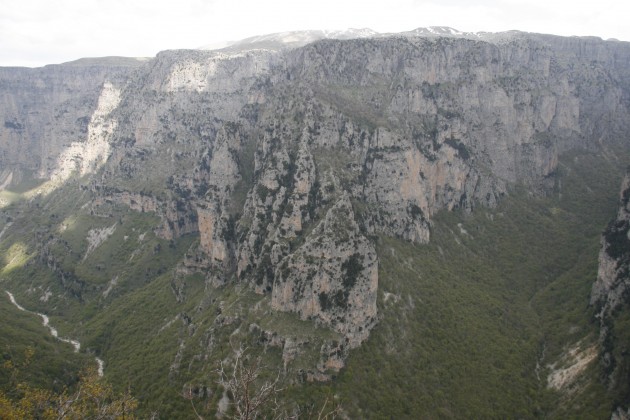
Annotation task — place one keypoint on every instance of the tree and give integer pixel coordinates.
(251, 396)
(93, 398)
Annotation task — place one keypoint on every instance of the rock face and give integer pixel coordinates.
(611, 289)
(288, 162)
(610, 295)
(308, 281)
(85, 157)
(55, 118)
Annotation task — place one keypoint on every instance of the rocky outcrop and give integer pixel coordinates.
(287, 161)
(612, 287)
(214, 209)
(176, 217)
(53, 115)
(333, 277)
(610, 297)
(451, 122)
(88, 155)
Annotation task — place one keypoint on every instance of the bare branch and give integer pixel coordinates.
(249, 397)
(189, 396)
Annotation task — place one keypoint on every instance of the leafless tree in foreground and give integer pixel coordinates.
(253, 397)
(250, 396)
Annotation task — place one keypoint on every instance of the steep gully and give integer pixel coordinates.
(54, 333)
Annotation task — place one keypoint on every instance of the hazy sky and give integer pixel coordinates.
(38, 32)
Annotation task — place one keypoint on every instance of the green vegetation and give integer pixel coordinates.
(92, 398)
(351, 268)
(16, 191)
(461, 148)
(618, 343)
(26, 345)
(469, 323)
(362, 104)
(123, 299)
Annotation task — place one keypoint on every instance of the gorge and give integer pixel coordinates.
(419, 214)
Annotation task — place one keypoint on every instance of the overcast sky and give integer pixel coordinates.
(39, 32)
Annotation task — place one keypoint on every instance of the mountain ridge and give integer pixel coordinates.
(259, 188)
(299, 38)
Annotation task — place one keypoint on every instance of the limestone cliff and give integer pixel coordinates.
(54, 119)
(333, 277)
(613, 280)
(289, 162)
(610, 295)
